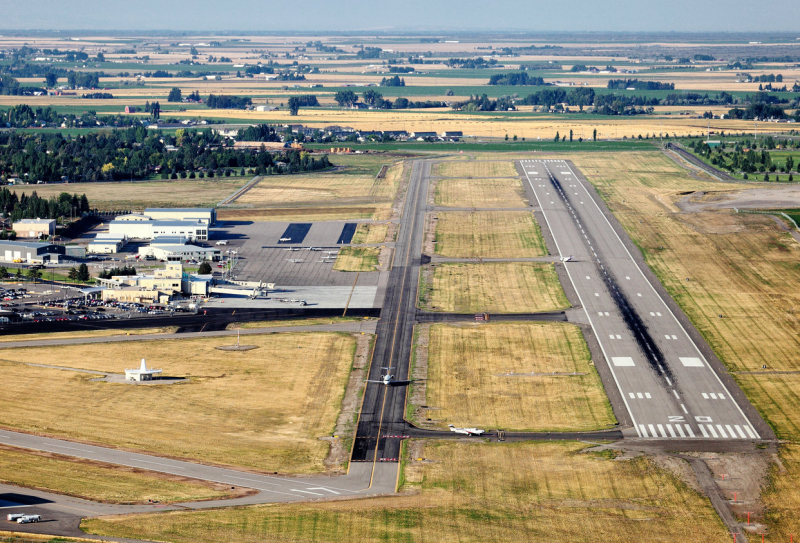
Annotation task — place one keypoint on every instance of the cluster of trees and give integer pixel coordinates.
(369, 52)
(743, 158)
(98, 95)
(108, 274)
(33, 206)
(639, 85)
(758, 110)
(136, 153)
(771, 78)
(228, 102)
(401, 69)
(484, 103)
(175, 95)
(583, 96)
(305, 100)
(261, 132)
(9, 85)
(405, 103)
(375, 100)
(81, 273)
(87, 80)
(521, 78)
(395, 81)
(23, 116)
(471, 63)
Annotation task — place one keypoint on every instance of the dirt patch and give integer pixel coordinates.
(428, 245)
(419, 372)
(757, 198)
(341, 442)
(713, 223)
(745, 477)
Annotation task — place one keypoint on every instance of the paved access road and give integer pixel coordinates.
(668, 386)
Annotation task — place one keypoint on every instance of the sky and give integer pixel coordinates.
(404, 15)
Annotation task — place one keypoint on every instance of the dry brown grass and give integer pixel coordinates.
(357, 259)
(499, 193)
(496, 287)
(740, 266)
(137, 196)
(377, 212)
(263, 409)
(97, 481)
(488, 234)
(370, 233)
(293, 322)
(472, 492)
(89, 334)
(475, 169)
(781, 499)
(476, 378)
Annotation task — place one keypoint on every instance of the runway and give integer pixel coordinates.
(667, 385)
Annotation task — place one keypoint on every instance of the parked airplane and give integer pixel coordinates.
(566, 258)
(285, 239)
(312, 248)
(295, 260)
(222, 242)
(466, 431)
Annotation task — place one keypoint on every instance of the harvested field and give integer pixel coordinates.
(294, 322)
(98, 481)
(499, 193)
(467, 492)
(477, 376)
(488, 234)
(302, 213)
(139, 195)
(90, 333)
(496, 287)
(237, 408)
(743, 267)
(370, 233)
(357, 259)
(475, 169)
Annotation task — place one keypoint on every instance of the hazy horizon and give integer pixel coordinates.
(737, 16)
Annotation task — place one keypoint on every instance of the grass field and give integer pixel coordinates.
(740, 266)
(263, 409)
(311, 213)
(781, 499)
(89, 333)
(499, 193)
(475, 169)
(357, 259)
(99, 482)
(476, 377)
(474, 492)
(139, 195)
(496, 287)
(370, 233)
(293, 322)
(488, 234)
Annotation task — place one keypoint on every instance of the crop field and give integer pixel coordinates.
(263, 409)
(514, 376)
(357, 259)
(467, 493)
(482, 168)
(139, 195)
(488, 234)
(496, 287)
(740, 266)
(98, 481)
(370, 233)
(480, 193)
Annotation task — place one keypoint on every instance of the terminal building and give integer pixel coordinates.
(134, 227)
(160, 287)
(175, 249)
(207, 215)
(34, 228)
(30, 252)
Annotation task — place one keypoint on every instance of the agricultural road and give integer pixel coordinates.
(667, 385)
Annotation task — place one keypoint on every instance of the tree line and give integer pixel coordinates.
(623, 84)
(35, 207)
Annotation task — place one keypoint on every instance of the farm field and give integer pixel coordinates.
(370, 233)
(236, 408)
(740, 266)
(480, 374)
(496, 287)
(139, 195)
(480, 193)
(467, 493)
(100, 482)
(488, 234)
(357, 259)
(475, 169)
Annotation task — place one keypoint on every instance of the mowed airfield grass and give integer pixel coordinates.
(468, 492)
(263, 409)
(475, 169)
(370, 233)
(488, 234)
(357, 259)
(480, 193)
(139, 195)
(480, 374)
(99, 482)
(496, 287)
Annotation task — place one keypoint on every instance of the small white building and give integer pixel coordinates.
(104, 244)
(34, 228)
(143, 373)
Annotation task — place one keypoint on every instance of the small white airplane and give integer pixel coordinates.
(222, 242)
(466, 431)
(295, 260)
(285, 239)
(566, 258)
(312, 248)
(386, 379)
